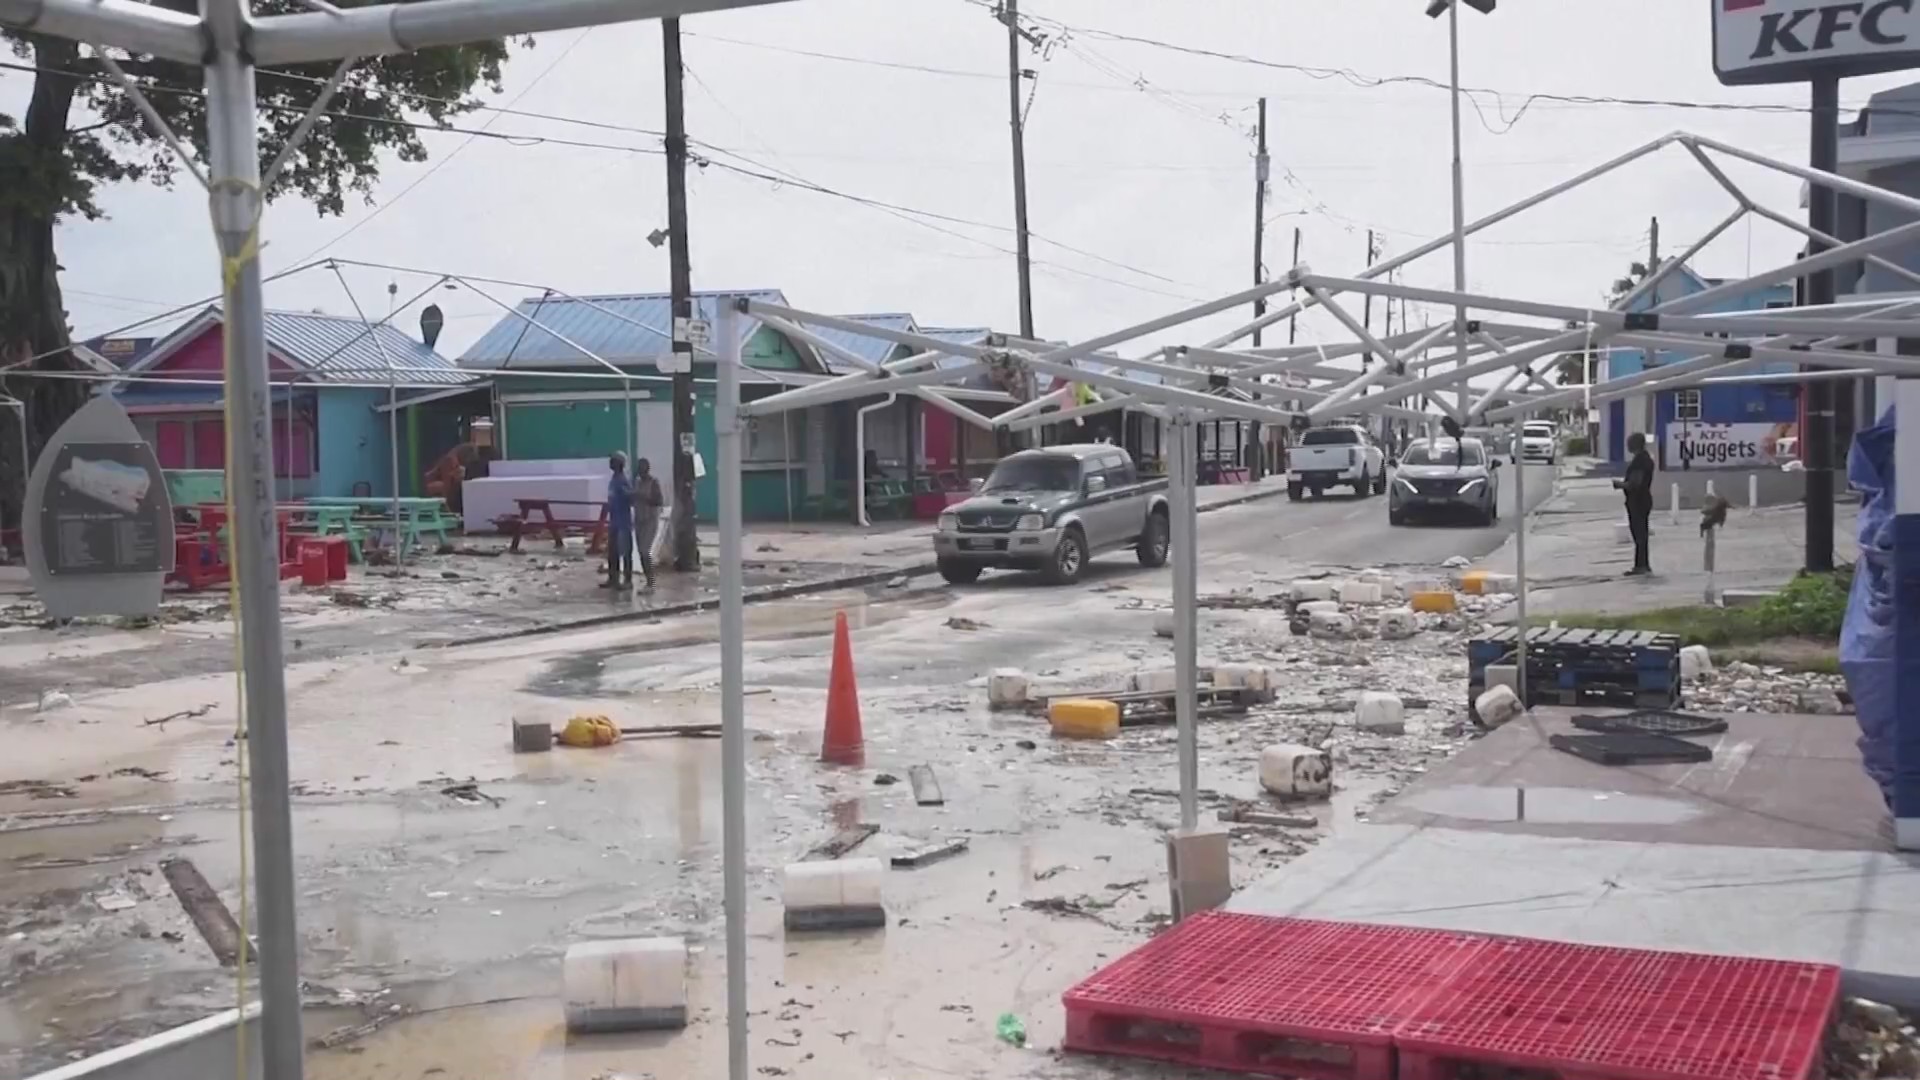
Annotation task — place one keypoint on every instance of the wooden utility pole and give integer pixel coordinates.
(1293, 321)
(1010, 14)
(1257, 456)
(686, 546)
(1366, 308)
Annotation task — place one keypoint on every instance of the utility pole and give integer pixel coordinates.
(1818, 393)
(1010, 14)
(1293, 320)
(686, 545)
(1366, 309)
(1261, 164)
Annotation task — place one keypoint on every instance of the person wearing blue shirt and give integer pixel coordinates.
(619, 525)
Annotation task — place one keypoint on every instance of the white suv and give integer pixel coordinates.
(1536, 441)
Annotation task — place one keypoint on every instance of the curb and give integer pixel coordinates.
(773, 592)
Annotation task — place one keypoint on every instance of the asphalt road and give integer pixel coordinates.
(1343, 530)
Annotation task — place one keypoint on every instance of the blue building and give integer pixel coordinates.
(1676, 418)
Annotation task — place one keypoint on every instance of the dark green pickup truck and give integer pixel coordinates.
(1051, 510)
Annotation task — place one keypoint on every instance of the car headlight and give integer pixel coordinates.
(1030, 523)
(949, 523)
(1406, 484)
(1471, 484)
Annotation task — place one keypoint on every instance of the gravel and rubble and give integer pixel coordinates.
(1870, 1040)
(1740, 687)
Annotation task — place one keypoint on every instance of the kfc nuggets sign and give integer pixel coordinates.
(1771, 41)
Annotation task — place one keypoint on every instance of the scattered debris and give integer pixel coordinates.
(841, 842)
(926, 786)
(183, 714)
(1457, 562)
(1249, 814)
(914, 860)
(885, 779)
(1870, 1040)
(1050, 872)
(51, 700)
(469, 793)
(352, 1033)
(137, 771)
(1081, 907)
(37, 789)
(961, 623)
(115, 901)
(1011, 1030)
(208, 912)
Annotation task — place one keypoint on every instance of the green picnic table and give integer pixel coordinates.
(421, 516)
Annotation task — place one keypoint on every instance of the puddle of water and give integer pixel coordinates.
(1550, 806)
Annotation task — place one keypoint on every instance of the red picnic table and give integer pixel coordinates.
(538, 514)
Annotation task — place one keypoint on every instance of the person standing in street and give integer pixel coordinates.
(1637, 485)
(647, 501)
(619, 525)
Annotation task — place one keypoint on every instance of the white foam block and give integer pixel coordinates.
(1397, 624)
(838, 883)
(1243, 677)
(1498, 705)
(1379, 713)
(1315, 607)
(626, 985)
(1292, 771)
(1360, 592)
(1330, 624)
(1311, 589)
(1507, 675)
(1695, 662)
(1007, 688)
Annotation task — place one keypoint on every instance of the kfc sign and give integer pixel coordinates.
(1769, 41)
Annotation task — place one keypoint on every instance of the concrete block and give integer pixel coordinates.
(1434, 601)
(1695, 662)
(1397, 624)
(1497, 705)
(1360, 592)
(1311, 589)
(841, 894)
(1746, 597)
(532, 736)
(1157, 681)
(1316, 607)
(1507, 675)
(1163, 624)
(626, 985)
(1330, 624)
(1084, 718)
(1380, 713)
(1199, 869)
(1293, 771)
(1243, 677)
(1622, 533)
(1007, 688)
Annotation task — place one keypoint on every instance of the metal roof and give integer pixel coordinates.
(871, 349)
(339, 348)
(624, 330)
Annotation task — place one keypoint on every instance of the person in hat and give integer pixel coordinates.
(619, 525)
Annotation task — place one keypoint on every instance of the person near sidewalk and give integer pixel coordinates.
(1637, 485)
(619, 525)
(647, 501)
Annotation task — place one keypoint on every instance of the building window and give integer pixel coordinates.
(1686, 405)
(775, 440)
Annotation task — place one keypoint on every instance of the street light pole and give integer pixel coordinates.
(1459, 205)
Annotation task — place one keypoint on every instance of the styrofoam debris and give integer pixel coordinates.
(1330, 624)
(1291, 770)
(1497, 705)
(1695, 662)
(1360, 592)
(1311, 589)
(1397, 624)
(1007, 688)
(1380, 713)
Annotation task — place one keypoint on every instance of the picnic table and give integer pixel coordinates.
(538, 514)
(418, 516)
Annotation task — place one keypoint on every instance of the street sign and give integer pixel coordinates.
(1774, 41)
(695, 332)
(686, 442)
(674, 363)
(98, 525)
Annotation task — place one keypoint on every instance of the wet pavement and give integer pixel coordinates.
(454, 909)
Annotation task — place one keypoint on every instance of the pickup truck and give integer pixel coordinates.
(1340, 456)
(1051, 510)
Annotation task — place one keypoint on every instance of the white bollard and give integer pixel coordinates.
(1710, 491)
(1753, 492)
(1379, 713)
(1007, 688)
(1498, 705)
(1291, 771)
(633, 984)
(1673, 504)
(834, 895)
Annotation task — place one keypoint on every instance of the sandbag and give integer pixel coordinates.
(1867, 634)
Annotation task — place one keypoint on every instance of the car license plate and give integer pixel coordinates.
(976, 545)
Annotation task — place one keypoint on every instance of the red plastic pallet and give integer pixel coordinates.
(1254, 994)
(1590, 1013)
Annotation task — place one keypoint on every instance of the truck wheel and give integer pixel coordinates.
(1069, 558)
(1293, 492)
(960, 573)
(1363, 487)
(1152, 546)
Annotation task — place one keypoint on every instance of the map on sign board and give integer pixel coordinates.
(99, 522)
(1772, 41)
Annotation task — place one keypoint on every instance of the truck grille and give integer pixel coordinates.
(988, 520)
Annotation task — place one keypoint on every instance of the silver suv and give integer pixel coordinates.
(1445, 477)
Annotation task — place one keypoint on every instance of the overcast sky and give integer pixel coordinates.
(1139, 159)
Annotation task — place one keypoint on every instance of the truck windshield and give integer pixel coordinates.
(1330, 437)
(1424, 453)
(1037, 473)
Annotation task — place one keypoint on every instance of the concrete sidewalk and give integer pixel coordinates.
(1575, 561)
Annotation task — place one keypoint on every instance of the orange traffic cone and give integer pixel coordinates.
(843, 744)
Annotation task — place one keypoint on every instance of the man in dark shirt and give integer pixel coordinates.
(619, 525)
(1638, 488)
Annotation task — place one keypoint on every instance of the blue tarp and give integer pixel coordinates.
(1867, 636)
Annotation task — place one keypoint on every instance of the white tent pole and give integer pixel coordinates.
(733, 673)
(854, 386)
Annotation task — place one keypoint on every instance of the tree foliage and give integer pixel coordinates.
(1582, 367)
(80, 133)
